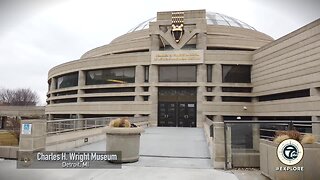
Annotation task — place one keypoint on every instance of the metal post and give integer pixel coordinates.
(225, 147)
(59, 125)
(291, 125)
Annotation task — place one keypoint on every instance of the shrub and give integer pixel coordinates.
(296, 135)
(308, 139)
(293, 134)
(280, 138)
(120, 122)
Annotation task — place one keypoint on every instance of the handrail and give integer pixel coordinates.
(69, 125)
(62, 120)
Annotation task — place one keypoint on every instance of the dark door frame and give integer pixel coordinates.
(185, 111)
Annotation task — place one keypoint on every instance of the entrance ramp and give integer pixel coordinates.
(174, 142)
(175, 148)
(168, 147)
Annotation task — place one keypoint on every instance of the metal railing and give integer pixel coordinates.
(69, 125)
(280, 124)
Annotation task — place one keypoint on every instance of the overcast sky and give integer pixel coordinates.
(36, 35)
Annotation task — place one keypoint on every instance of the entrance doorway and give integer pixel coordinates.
(177, 107)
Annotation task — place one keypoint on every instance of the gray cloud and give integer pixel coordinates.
(14, 12)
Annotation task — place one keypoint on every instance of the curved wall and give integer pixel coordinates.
(219, 46)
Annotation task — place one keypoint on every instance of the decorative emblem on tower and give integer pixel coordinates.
(177, 25)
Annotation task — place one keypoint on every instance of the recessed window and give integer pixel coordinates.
(145, 89)
(209, 88)
(177, 73)
(145, 98)
(229, 48)
(61, 116)
(177, 94)
(64, 93)
(69, 100)
(236, 73)
(110, 90)
(235, 99)
(209, 73)
(112, 98)
(146, 73)
(237, 89)
(68, 80)
(111, 76)
(286, 95)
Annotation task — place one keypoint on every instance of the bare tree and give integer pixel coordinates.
(6, 96)
(19, 97)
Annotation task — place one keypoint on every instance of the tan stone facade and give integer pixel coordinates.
(288, 64)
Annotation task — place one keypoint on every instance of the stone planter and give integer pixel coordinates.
(126, 140)
(269, 162)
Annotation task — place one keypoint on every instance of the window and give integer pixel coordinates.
(111, 76)
(177, 74)
(145, 98)
(146, 73)
(111, 98)
(61, 116)
(237, 89)
(235, 99)
(68, 80)
(229, 48)
(209, 98)
(69, 100)
(209, 73)
(177, 94)
(236, 74)
(145, 89)
(286, 95)
(109, 90)
(64, 93)
(209, 88)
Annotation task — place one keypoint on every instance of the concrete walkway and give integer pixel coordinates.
(168, 147)
(166, 153)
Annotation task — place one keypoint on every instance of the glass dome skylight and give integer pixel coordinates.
(212, 19)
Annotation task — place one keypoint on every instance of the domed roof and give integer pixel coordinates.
(212, 19)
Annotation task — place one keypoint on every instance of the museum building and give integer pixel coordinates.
(184, 67)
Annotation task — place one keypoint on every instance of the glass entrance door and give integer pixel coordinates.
(167, 113)
(177, 107)
(186, 114)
